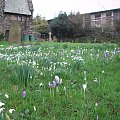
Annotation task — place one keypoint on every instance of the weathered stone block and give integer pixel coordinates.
(15, 32)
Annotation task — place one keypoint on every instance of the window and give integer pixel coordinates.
(7, 34)
(116, 14)
(97, 15)
(109, 13)
(23, 18)
(19, 18)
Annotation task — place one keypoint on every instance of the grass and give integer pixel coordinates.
(94, 65)
(3, 44)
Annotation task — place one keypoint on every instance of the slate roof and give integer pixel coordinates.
(17, 6)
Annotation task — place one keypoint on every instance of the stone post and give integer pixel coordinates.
(50, 39)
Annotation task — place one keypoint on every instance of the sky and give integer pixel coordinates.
(51, 8)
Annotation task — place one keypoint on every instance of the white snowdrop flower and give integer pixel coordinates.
(57, 79)
(1, 104)
(96, 104)
(91, 54)
(43, 68)
(11, 110)
(34, 108)
(97, 117)
(6, 95)
(1, 109)
(84, 87)
(64, 88)
(72, 50)
(29, 62)
(81, 58)
(84, 72)
(41, 73)
(103, 71)
(65, 63)
(50, 68)
(41, 84)
(77, 58)
(82, 53)
(54, 66)
(107, 51)
(95, 80)
(60, 82)
(85, 78)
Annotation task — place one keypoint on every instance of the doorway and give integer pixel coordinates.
(7, 35)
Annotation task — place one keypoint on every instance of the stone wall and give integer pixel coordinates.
(1, 14)
(24, 21)
(6, 19)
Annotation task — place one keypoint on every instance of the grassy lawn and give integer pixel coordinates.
(3, 44)
(60, 81)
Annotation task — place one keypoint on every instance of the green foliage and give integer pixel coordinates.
(75, 24)
(72, 27)
(65, 46)
(26, 74)
(40, 24)
(98, 65)
(68, 26)
(59, 25)
(4, 43)
(4, 116)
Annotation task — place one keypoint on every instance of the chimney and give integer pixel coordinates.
(30, 4)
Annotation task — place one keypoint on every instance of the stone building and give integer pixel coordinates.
(101, 19)
(16, 11)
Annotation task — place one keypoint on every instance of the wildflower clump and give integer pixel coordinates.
(57, 81)
(23, 93)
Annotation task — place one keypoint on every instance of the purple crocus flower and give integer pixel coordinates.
(57, 79)
(23, 93)
(49, 84)
(54, 83)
